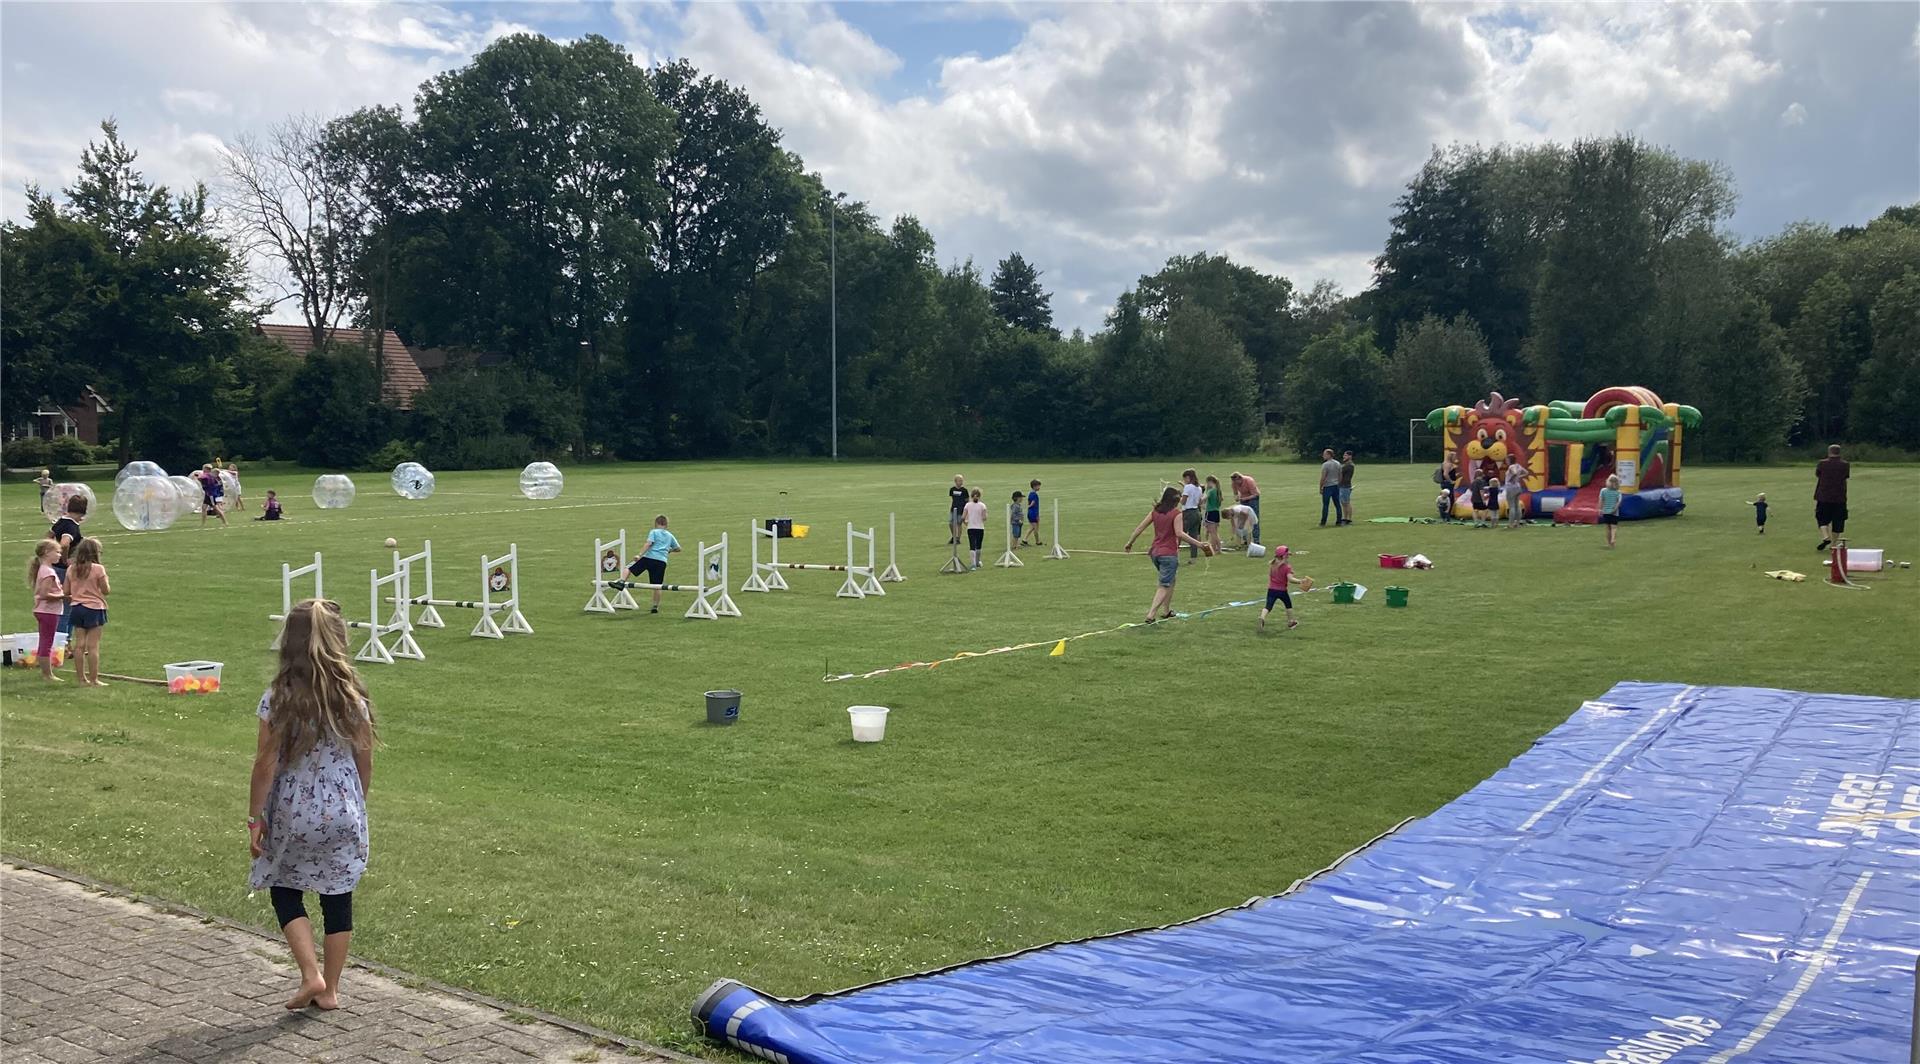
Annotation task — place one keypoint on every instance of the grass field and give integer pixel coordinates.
(554, 824)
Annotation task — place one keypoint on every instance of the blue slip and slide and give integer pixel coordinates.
(1685, 874)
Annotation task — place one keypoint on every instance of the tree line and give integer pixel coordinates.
(635, 267)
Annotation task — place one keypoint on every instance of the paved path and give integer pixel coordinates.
(86, 977)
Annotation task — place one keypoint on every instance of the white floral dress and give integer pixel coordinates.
(316, 834)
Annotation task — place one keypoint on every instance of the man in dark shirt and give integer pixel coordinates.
(66, 532)
(1346, 488)
(1830, 496)
(956, 502)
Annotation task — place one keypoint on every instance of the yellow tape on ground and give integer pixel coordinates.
(1058, 643)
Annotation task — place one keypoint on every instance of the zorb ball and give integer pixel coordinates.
(541, 480)
(138, 469)
(229, 482)
(55, 503)
(145, 504)
(189, 493)
(332, 491)
(411, 480)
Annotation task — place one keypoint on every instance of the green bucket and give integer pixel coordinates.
(1343, 593)
(1396, 598)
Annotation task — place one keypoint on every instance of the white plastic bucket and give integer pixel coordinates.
(1256, 550)
(869, 723)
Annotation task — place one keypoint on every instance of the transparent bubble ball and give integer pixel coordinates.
(332, 491)
(54, 506)
(229, 482)
(138, 469)
(145, 503)
(541, 480)
(189, 493)
(411, 480)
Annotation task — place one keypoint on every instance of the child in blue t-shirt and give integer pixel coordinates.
(1759, 504)
(653, 561)
(1610, 508)
(1033, 512)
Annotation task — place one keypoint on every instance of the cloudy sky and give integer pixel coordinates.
(1096, 139)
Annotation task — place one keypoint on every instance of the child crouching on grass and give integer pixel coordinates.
(1279, 578)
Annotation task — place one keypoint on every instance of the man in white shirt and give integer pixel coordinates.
(1190, 496)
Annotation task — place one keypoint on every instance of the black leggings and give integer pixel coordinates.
(336, 910)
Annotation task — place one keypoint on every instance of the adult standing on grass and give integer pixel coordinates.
(1190, 499)
(307, 805)
(956, 502)
(1246, 493)
(1164, 519)
(1516, 487)
(653, 561)
(1448, 478)
(66, 532)
(1830, 495)
(1329, 486)
(1346, 488)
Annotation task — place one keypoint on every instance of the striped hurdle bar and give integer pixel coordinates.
(862, 580)
(710, 599)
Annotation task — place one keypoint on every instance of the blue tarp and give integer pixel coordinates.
(1674, 874)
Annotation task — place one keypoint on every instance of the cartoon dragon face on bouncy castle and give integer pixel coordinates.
(1497, 430)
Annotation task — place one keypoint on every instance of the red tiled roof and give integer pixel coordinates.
(403, 377)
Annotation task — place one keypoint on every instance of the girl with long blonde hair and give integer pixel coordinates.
(49, 599)
(307, 806)
(87, 590)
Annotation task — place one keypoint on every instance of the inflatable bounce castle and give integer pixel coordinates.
(1570, 448)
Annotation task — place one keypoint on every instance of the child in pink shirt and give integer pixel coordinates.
(49, 598)
(1279, 578)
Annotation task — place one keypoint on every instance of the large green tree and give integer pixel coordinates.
(1886, 405)
(1018, 297)
(127, 288)
(1438, 363)
(1338, 396)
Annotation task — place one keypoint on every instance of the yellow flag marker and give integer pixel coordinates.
(1059, 650)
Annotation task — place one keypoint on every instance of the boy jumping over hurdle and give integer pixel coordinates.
(653, 561)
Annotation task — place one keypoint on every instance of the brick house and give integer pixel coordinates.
(50, 421)
(402, 380)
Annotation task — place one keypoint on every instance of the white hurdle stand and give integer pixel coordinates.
(1010, 560)
(375, 649)
(861, 579)
(488, 627)
(1058, 552)
(710, 601)
(891, 574)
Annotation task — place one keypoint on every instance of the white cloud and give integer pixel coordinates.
(1104, 139)
(181, 100)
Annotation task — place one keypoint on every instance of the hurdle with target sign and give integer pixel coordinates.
(861, 581)
(499, 602)
(375, 649)
(710, 598)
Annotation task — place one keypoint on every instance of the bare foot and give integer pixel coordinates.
(101, 683)
(326, 1001)
(309, 994)
(54, 678)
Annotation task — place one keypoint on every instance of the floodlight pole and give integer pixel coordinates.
(833, 315)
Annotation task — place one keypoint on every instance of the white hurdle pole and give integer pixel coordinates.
(1058, 552)
(891, 575)
(766, 575)
(609, 557)
(710, 601)
(1010, 560)
(507, 566)
(429, 617)
(860, 579)
(288, 574)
